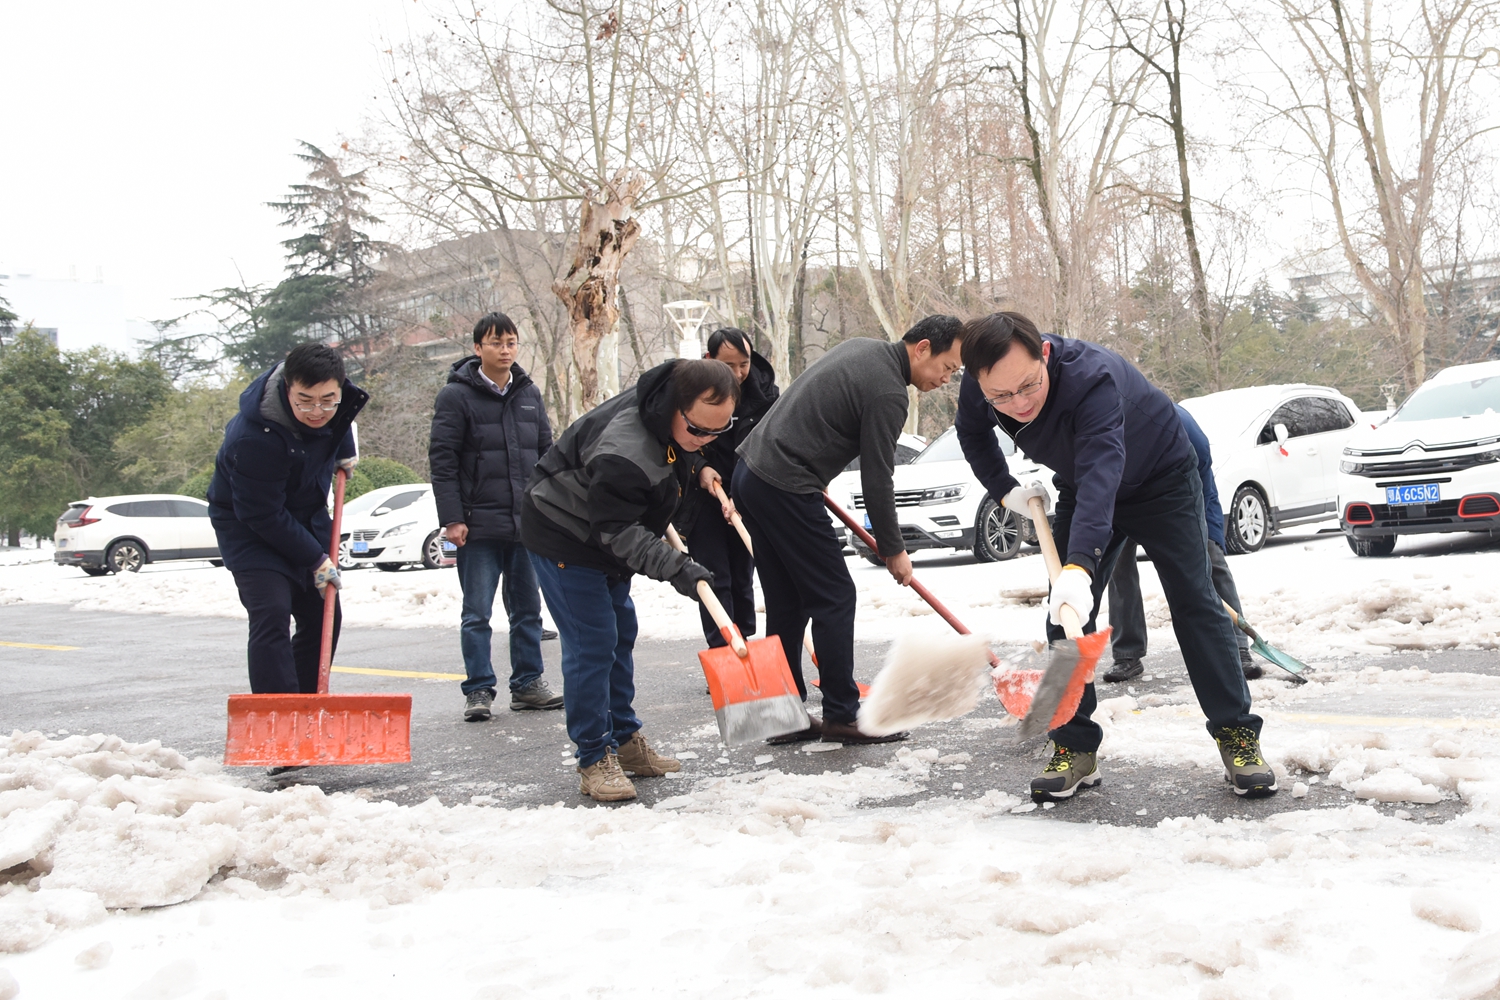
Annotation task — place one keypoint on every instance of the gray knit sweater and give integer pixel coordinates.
(850, 403)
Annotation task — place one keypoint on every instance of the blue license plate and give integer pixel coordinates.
(868, 525)
(1413, 493)
(449, 547)
(360, 547)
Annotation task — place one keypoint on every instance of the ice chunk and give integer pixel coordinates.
(29, 832)
(1395, 785)
(1476, 972)
(9, 988)
(95, 957)
(1446, 909)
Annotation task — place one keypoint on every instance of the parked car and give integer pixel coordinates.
(942, 505)
(393, 527)
(1434, 465)
(121, 534)
(908, 447)
(1276, 451)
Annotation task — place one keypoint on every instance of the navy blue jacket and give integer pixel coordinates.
(269, 496)
(1104, 430)
(483, 448)
(1213, 511)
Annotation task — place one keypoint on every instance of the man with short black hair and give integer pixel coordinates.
(268, 502)
(489, 429)
(1124, 469)
(851, 403)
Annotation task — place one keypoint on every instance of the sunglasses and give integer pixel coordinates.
(704, 432)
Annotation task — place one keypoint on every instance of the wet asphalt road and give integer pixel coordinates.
(147, 677)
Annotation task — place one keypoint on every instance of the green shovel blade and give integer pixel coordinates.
(1285, 661)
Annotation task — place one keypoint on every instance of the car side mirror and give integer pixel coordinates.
(1281, 433)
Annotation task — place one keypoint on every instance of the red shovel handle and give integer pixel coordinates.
(922, 592)
(331, 593)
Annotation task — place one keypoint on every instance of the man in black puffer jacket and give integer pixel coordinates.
(700, 520)
(489, 429)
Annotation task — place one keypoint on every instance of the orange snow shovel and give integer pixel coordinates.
(1061, 685)
(754, 694)
(291, 730)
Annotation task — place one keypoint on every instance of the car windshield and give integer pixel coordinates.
(947, 449)
(1452, 399)
(363, 503)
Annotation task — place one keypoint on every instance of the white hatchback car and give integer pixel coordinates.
(1434, 465)
(1276, 452)
(121, 534)
(942, 505)
(392, 527)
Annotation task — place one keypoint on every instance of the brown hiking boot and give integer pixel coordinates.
(603, 781)
(637, 757)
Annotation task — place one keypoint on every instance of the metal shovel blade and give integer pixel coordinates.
(755, 696)
(1285, 661)
(1061, 688)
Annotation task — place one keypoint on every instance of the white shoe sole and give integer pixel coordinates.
(1091, 781)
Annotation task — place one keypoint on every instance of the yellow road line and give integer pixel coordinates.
(375, 671)
(1333, 719)
(36, 645)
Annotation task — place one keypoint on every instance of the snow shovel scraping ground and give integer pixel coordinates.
(291, 730)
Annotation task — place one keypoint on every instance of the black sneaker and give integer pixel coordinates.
(536, 696)
(547, 633)
(1249, 667)
(477, 705)
(1125, 670)
(1244, 767)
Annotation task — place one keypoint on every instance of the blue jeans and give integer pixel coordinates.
(481, 563)
(596, 622)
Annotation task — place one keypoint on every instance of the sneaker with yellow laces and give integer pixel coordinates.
(1244, 767)
(1067, 771)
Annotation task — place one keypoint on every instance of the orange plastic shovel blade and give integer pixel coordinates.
(1016, 689)
(754, 698)
(864, 689)
(282, 730)
(1071, 669)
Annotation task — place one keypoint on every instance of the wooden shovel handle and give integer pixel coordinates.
(715, 609)
(331, 593)
(1071, 623)
(734, 518)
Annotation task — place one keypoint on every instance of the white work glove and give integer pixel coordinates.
(1016, 499)
(327, 575)
(348, 464)
(1073, 587)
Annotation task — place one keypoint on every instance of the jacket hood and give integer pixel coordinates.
(466, 370)
(756, 388)
(653, 398)
(264, 401)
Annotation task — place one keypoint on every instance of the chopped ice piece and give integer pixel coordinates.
(1299, 790)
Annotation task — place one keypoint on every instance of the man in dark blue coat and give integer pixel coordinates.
(269, 505)
(489, 428)
(1124, 469)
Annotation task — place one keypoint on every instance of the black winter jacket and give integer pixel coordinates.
(602, 497)
(757, 393)
(483, 448)
(268, 499)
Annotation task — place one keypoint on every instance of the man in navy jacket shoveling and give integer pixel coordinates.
(269, 505)
(1124, 470)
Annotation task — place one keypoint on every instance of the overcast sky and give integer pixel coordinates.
(144, 139)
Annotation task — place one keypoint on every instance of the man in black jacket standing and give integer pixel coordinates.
(489, 429)
(700, 520)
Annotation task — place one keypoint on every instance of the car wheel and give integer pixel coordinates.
(870, 557)
(346, 556)
(94, 570)
(997, 532)
(1249, 521)
(432, 550)
(390, 567)
(125, 556)
(1380, 545)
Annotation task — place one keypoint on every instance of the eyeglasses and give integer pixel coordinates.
(704, 432)
(1029, 389)
(313, 407)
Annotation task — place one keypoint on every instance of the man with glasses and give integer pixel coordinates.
(593, 516)
(489, 429)
(268, 502)
(851, 403)
(1124, 470)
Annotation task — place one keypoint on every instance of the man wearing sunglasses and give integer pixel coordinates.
(593, 516)
(1125, 469)
(851, 403)
(268, 501)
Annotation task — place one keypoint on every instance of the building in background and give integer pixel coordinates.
(74, 314)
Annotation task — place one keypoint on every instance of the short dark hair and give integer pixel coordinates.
(497, 323)
(733, 336)
(692, 379)
(939, 331)
(310, 364)
(989, 338)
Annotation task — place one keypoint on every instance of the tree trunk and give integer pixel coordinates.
(606, 233)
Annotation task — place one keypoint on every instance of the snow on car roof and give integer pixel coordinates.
(1228, 414)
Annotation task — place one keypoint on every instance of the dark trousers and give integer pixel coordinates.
(280, 662)
(596, 622)
(1127, 616)
(803, 576)
(714, 544)
(1169, 524)
(482, 566)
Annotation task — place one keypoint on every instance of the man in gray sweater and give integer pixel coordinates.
(849, 404)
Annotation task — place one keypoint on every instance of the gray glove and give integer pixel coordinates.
(327, 575)
(686, 580)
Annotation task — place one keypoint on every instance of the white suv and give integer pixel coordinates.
(118, 534)
(1276, 451)
(392, 527)
(942, 505)
(1434, 465)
